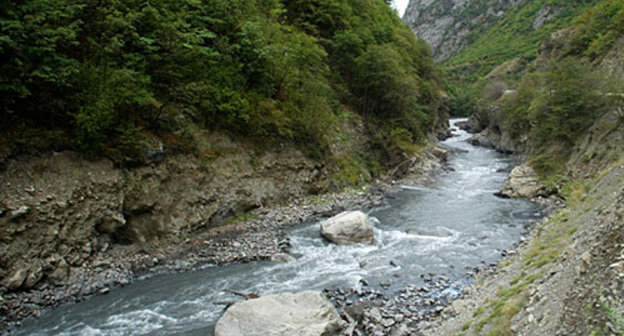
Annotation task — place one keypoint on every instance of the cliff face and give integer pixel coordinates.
(447, 24)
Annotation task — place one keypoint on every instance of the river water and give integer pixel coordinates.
(448, 228)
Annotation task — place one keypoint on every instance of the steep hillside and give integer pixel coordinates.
(515, 34)
(551, 107)
(450, 26)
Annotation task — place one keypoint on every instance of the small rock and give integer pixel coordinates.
(19, 212)
(17, 279)
(282, 258)
(586, 258)
(375, 315)
(387, 323)
(33, 278)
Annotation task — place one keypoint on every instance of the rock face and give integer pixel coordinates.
(304, 314)
(59, 211)
(349, 227)
(522, 183)
(490, 130)
(446, 25)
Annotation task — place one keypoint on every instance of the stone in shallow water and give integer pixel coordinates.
(349, 227)
(282, 258)
(305, 314)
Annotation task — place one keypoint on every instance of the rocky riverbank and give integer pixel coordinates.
(382, 309)
(256, 235)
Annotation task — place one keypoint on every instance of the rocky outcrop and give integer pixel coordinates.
(349, 227)
(304, 314)
(446, 25)
(488, 124)
(522, 182)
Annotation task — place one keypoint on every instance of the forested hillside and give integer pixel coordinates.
(112, 77)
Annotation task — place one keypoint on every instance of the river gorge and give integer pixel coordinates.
(447, 230)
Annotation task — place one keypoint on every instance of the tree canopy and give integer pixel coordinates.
(93, 72)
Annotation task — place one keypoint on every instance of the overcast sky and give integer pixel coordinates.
(400, 5)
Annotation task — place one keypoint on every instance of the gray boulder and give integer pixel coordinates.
(522, 182)
(481, 141)
(305, 314)
(347, 228)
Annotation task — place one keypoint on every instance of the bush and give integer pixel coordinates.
(558, 104)
(571, 97)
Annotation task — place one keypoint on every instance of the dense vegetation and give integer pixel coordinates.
(555, 104)
(596, 30)
(108, 76)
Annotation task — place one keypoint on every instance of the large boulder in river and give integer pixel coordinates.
(306, 314)
(522, 182)
(349, 227)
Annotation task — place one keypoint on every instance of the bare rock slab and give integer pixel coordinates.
(347, 228)
(307, 313)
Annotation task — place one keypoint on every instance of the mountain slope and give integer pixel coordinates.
(448, 26)
(477, 40)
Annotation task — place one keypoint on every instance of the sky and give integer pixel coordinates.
(400, 5)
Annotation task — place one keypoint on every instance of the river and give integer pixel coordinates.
(446, 229)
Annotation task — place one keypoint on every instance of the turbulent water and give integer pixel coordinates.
(448, 228)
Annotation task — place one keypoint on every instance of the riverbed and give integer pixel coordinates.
(445, 229)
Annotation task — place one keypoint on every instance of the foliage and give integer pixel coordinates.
(613, 313)
(597, 29)
(556, 105)
(270, 69)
